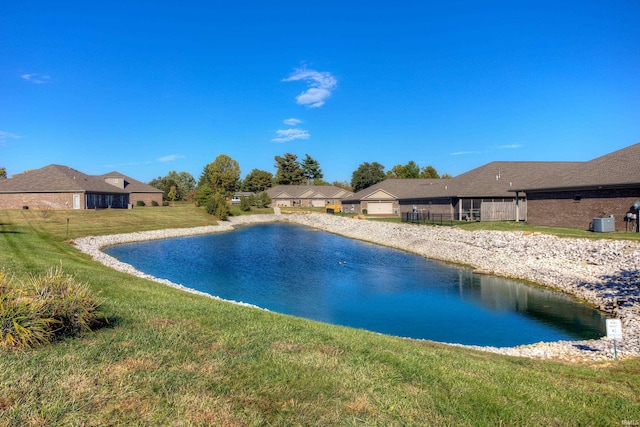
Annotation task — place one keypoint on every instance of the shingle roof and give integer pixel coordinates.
(132, 185)
(619, 168)
(499, 179)
(296, 191)
(409, 188)
(56, 179)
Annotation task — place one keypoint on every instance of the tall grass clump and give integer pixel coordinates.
(45, 308)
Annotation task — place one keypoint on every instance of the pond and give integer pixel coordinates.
(304, 272)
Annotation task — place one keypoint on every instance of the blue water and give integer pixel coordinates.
(299, 271)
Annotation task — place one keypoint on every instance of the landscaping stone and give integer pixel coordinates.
(604, 273)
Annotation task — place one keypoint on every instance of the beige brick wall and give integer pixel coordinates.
(147, 198)
(39, 201)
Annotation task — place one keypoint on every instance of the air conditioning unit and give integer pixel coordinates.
(604, 225)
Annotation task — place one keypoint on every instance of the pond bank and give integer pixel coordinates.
(604, 273)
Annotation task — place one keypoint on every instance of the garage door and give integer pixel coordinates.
(318, 203)
(385, 208)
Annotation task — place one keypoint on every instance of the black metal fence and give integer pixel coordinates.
(427, 218)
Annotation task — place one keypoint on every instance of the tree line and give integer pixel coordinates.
(221, 178)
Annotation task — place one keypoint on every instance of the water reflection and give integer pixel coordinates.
(307, 273)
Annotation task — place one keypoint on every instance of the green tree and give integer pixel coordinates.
(311, 169)
(222, 175)
(261, 200)
(245, 204)
(218, 207)
(3, 172)
(366, 175)
(204, 193)
(410, 170)
(446, 176)
(342, 184)
(172, 195)
(429, 172)
(183, 181)
(288, 171)
(257, 180)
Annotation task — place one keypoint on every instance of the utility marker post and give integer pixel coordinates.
(614, 331)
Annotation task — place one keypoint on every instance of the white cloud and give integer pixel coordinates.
(463, 153)
(36, 78)
(8, 135)
(292, 122)
(170, 158)
(285, 135)
(321, 84)
(509, 146)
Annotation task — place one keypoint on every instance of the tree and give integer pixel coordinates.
(204, 193)
(257, 181)
(222, 175)
(172, 195)
(3, 172)
(342, 184)
(410, 170)
(311, 169)
(183, 181)
(429, 172)
(446, 176)
(366, 175)
(217, 206)
(289, 171)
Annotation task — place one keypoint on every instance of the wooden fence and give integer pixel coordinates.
(502, 211)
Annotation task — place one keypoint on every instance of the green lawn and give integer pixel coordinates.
(174, 358)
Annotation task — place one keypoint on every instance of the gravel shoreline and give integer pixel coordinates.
(604, 273)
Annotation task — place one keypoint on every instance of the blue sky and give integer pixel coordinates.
(149, 87)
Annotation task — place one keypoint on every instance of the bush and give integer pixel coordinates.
(364, 211)
(154, 203)
(217, 206)
(245, 204)
(45, 308)
(140, 203)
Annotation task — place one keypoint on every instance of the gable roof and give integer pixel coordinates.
(617, 169)
(56, 179)
(306, 192)
(404, 188)
(131, 185)
(499, 179)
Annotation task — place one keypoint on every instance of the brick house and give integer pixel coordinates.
(61, 187)
(605, 186)
(307, 195)
(481, 194)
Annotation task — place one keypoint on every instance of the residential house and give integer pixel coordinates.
(603, 187)
(480, 194)
(61, 187)
(307, 195)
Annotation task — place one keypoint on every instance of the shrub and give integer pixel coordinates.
(154, 203)
(45, 308)
(140, 203)
(217, 206)
(245, 204)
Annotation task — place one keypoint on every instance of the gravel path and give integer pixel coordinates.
(605, 273)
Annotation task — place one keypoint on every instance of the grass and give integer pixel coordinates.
(173, 358)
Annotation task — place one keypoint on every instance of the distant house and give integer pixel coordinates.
(605, 186)
(61, 187)
(482, 194)
(568, 194)
(307, 195)
(235, 200)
